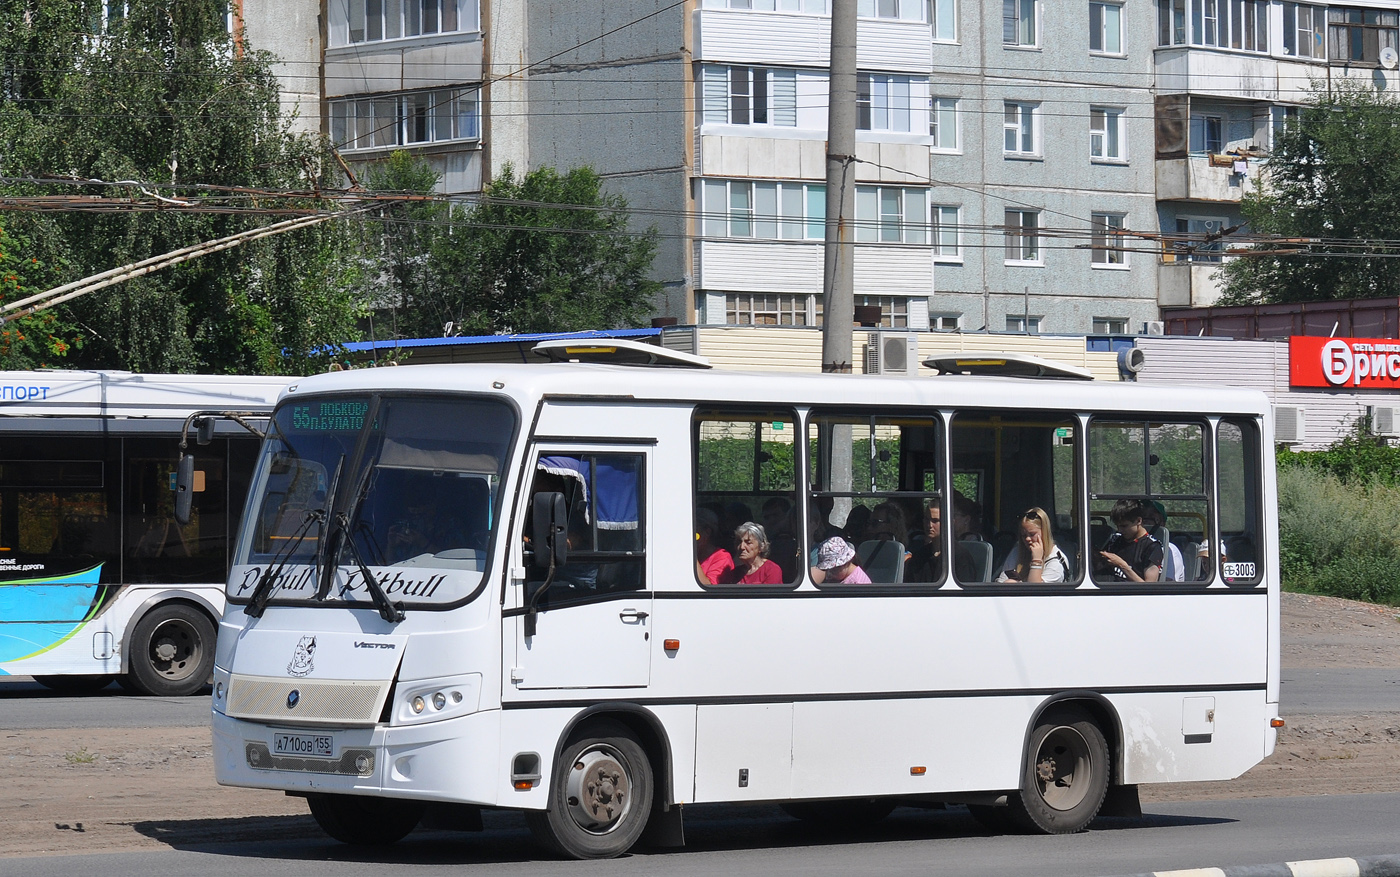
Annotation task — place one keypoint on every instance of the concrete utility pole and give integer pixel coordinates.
(838, 284)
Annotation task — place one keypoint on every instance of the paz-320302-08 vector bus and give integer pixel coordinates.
(476, 586)
(97, 578)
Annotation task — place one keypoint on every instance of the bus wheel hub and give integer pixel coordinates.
(598, 794)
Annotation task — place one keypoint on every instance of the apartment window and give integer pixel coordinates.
(1206, 134)
(943, 123)
(1304, 31)
(368, 21)
(768, 211)
(1358, 35)
(1106, 240)
(1109, 326)
(1205, 22)
(1197, 240)
(1106, 134)
(906, 10)
(1249, 25)
(417, 117)
(1026, 324)
(1280, 118)
(882, 102)
(945, 231)
(1171, 22)
(891, 215)
(1106, 28)
(944, 322)
(749, 96)
(1019, 123)
(1023, 236)
(1018, 22)
(770, 309)
(894, 309)
(945, 21)
(809, 7)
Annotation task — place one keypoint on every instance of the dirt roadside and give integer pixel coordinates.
(68, 791)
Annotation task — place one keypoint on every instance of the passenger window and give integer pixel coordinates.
(746, 473)
(606, 539)
(1014, 485)
(1153, 473)
(1237, 457)
(873, 482)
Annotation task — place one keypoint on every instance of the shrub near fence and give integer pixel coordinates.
(1339, 537)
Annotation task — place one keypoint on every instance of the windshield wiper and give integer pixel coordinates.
(263, 592)
(390, 612)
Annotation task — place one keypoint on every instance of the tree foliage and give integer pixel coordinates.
(163, 98)
(29, 341)
(548, 252)
(1333, 174)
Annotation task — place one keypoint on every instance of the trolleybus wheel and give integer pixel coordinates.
(599, 796)
(1065, 776)
(77, 683)
(172, 651)
(365, 821)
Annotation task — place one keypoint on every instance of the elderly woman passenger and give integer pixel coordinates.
(753, 566)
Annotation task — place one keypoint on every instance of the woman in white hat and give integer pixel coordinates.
(837, 561)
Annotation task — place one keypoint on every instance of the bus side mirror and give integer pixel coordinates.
(204, 430)
(549, 522)
(184, 488)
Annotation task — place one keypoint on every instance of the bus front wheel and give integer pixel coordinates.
(1065, 777)
(364, 821)
(172, 651)
(599, 796)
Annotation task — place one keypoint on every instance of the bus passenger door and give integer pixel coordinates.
(592, 618)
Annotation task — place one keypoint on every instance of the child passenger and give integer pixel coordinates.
(837, 560)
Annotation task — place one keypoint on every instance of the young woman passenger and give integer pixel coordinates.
(711, 561)
(1035, 558)
(751, 553)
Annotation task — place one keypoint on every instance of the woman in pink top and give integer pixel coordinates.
(711, 561)
(753, 567)
(837, 559)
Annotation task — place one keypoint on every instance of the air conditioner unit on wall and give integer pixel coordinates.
(1383, 421)
(891, 353)
(1288, 424)
(1154, 327)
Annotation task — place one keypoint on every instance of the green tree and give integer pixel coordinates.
(163, 97)
(37, 341)
(547, 252)
(398, 247)
(1333, 174)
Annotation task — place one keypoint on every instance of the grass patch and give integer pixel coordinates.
(82, 756)
(1337, 537)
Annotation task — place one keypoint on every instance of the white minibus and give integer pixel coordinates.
(98, 580)
(464, 587)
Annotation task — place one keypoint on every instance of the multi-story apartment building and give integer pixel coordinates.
(1023, 166)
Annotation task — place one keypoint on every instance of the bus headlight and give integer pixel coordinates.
(432, 700)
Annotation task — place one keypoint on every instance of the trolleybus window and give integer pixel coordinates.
(606, 536)
(1160, 465)
(745, 471)
(1237, 458)
(872, 480)
(1018, 461)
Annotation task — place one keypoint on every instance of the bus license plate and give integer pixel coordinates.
(304, 745)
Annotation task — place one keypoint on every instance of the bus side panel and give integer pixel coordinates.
(1193, 736)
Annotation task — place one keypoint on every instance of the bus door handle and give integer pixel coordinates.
(632, 615)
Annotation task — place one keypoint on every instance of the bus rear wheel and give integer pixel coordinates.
(1065, 777)
(172, 651)
(76, 683)
(599, 796)
(364, 821)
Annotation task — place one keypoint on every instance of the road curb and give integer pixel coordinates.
(1371, 866)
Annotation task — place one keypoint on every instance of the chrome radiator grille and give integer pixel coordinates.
(306, 701)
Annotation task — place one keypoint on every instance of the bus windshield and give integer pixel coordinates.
(414, 481)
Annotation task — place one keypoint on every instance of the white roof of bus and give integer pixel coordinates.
(526, 383)
(85, 393)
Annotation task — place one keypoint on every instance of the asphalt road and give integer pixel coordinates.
(760, 840)
(25, 704)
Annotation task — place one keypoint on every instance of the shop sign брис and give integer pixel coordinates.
(1314, 361)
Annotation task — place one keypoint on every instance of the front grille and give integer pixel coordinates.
(351, 763)
(332, 702)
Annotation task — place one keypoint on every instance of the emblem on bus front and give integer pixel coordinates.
(301, 660)
(293, 698)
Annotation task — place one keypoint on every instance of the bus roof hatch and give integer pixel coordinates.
(1016, 365)
(617, 351)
